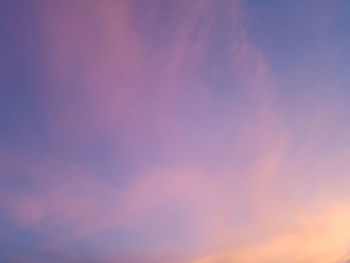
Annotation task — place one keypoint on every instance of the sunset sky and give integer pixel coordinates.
(174, 131)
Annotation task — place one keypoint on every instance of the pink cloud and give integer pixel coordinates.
(104, 80)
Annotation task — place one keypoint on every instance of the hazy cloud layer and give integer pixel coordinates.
(173, 131)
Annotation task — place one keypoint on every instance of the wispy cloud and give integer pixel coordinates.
(168, 134)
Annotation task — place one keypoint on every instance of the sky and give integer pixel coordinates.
(163, 131)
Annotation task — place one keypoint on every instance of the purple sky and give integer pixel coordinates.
(174, 131)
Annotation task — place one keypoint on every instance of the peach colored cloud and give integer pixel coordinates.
(319, 237)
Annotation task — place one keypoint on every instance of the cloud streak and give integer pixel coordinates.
(169, 135)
